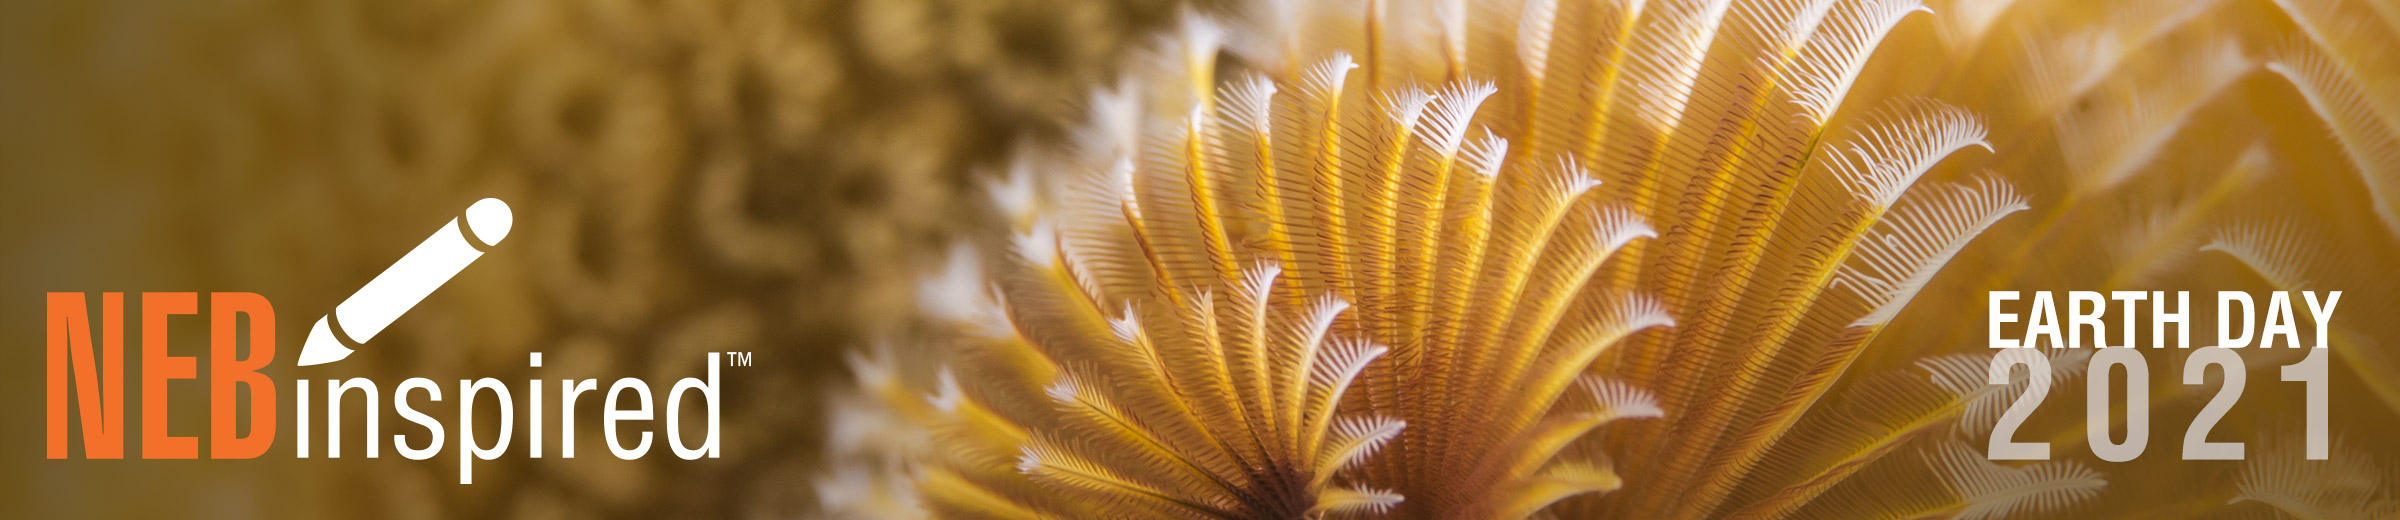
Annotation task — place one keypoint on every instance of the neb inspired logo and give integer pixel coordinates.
(87, 377)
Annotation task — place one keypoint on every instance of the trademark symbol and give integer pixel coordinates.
(737, 359)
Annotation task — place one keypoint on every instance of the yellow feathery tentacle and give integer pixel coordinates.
(1612, 67)
(1533, 494)
(1305, 341)
(2153, 244)
(1337, 368)
(1447, 130)
(1354, 501)
(1564, 363)
(1533, 216)
(1891, 268)
(1381, 301)
(1046, 462)
(1989, 490)
(2348, 485)
(1352, 441)
(1536, 445)
(2289, 258)
(2371, 143)
(947, 492)
(1885, 414)
(1544, 303)
(1103, 417)
(1322, 87)
(1880, 163)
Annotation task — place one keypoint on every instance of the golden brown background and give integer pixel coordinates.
(688, 176)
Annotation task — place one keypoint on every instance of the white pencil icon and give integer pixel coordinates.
(406, 282)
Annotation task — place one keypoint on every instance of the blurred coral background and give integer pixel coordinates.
(688, 176)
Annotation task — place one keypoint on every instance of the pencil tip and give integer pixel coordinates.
(321, 347)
